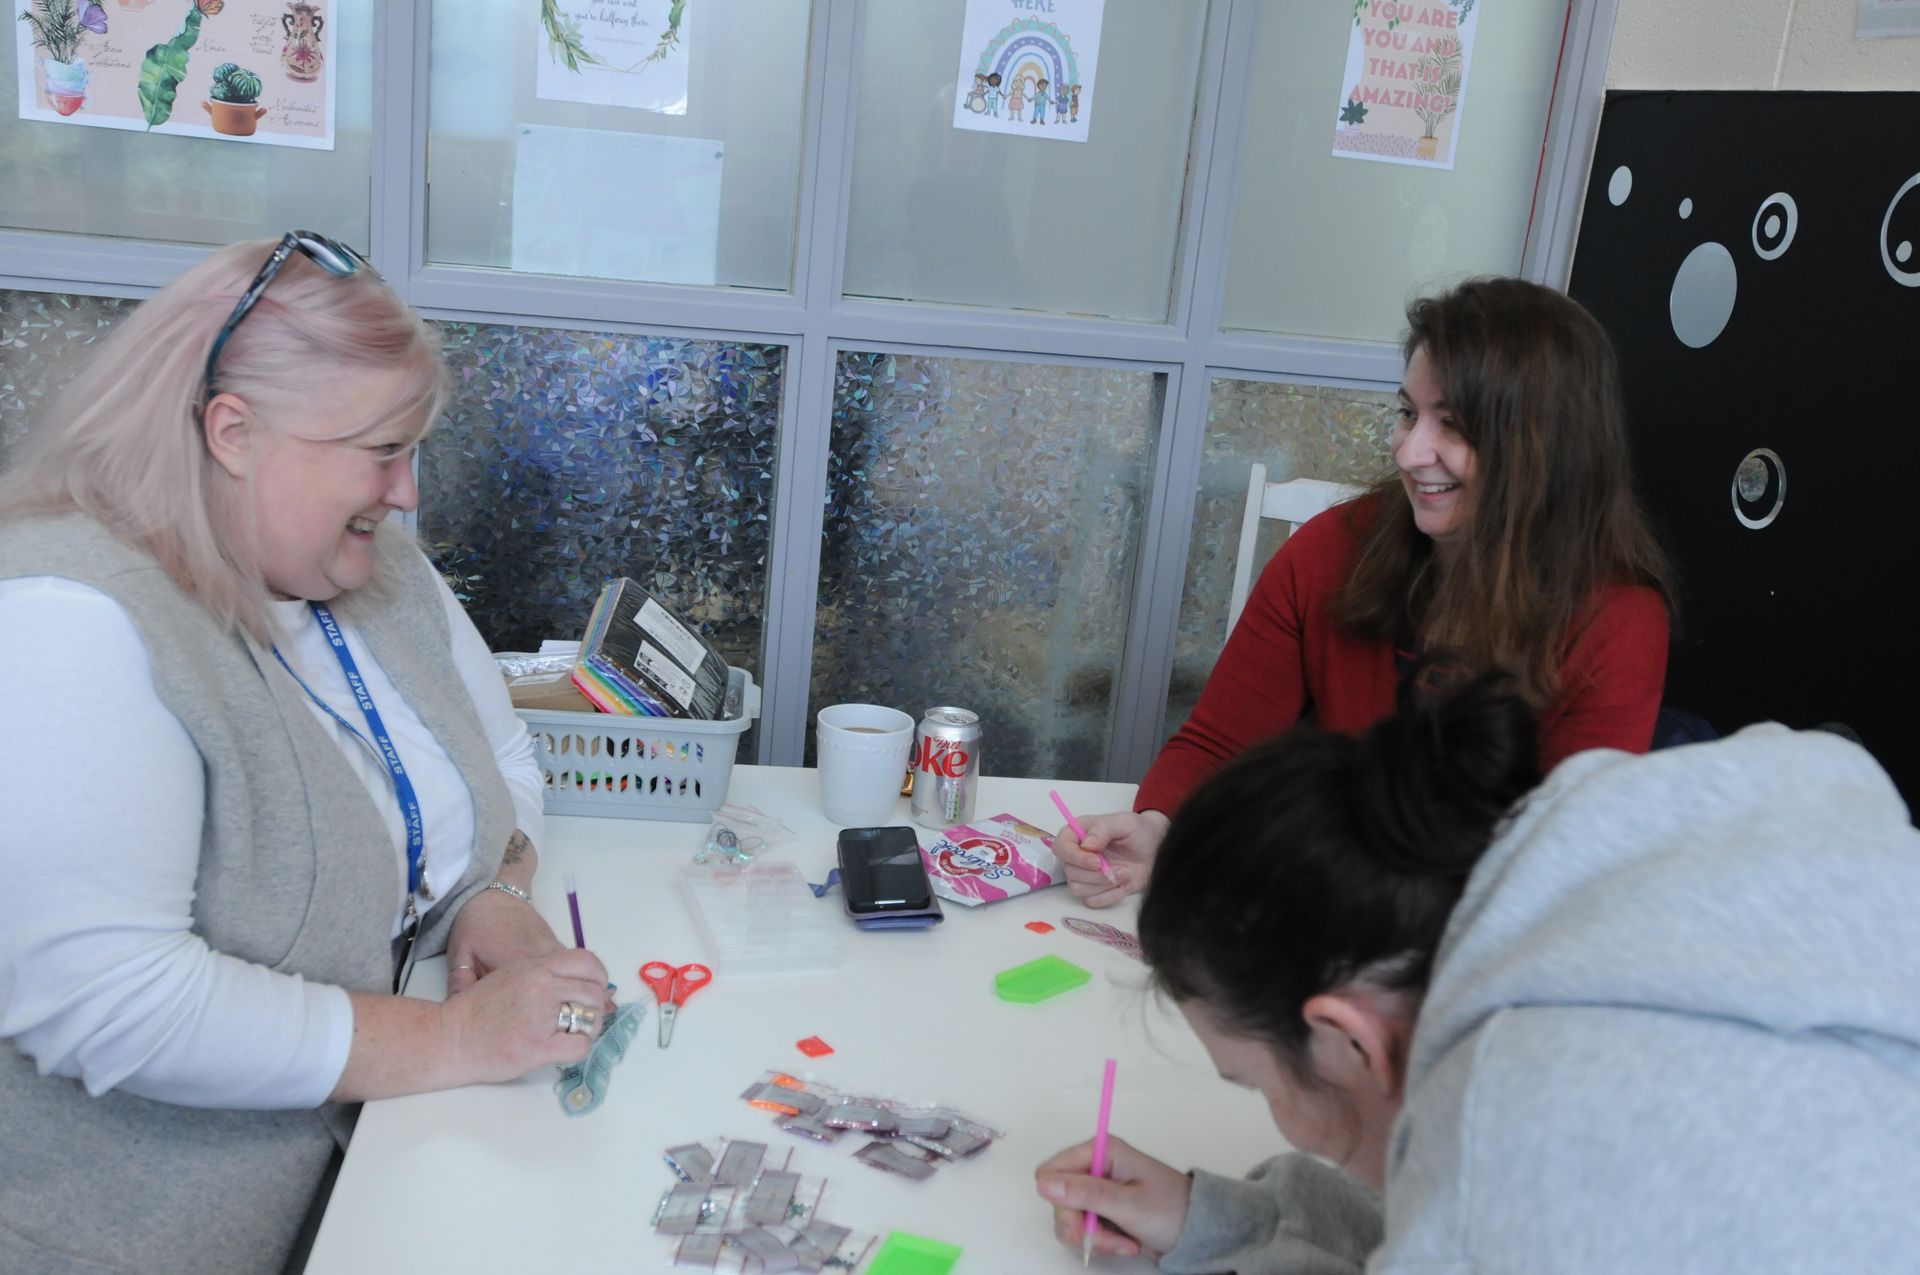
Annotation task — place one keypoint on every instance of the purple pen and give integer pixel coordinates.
(573, 909)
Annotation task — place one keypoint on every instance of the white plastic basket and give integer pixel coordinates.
(641, 767)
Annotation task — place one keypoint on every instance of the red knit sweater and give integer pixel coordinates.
(1289, 655)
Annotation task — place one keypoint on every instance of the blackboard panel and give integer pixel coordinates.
(1808, 619)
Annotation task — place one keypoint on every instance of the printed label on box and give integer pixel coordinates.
(673, 635)
(670, 677)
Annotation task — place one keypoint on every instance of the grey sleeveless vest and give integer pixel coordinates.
(297, 873)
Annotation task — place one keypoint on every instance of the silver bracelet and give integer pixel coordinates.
(514, 890)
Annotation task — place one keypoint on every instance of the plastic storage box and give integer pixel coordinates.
(618, 767)
(760, 918)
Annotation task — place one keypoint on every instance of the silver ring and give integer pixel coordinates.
(468, 968)
(576, 1019)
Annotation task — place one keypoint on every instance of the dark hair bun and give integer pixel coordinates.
(1433, 783)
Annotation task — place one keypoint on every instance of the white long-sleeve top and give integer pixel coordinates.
(101, 791)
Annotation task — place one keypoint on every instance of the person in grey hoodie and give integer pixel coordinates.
(1658, 1014)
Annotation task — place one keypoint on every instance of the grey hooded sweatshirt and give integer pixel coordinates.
(1674, 1025)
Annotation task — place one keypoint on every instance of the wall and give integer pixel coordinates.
(1752, 44)
(1770, 44)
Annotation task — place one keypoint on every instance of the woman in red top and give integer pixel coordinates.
(1508, 537)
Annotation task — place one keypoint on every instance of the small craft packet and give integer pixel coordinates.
(946, 1133)
(808, 1127)
(814, 1247)
(779, 1197)
(894, 1158)
(582, 1086)
(784, 1100)
(742, 1163)
(693, 1161)
(825, 1246)
(769, 1252)
(868, 1115)
(688, 1207)
(786, 1095)
(699, 1252)
(995, 859)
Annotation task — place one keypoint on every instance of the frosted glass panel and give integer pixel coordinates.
(982, 527)
(518, 181)
(1296, 431)
(104, 181)
(569, 457)
(950, 215)
(44, 338)
(1336, 247)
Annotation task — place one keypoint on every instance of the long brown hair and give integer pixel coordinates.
(1534, 388)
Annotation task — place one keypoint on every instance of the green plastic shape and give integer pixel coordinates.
(1039, 980)
(905, 1254)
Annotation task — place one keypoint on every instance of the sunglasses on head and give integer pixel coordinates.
(330, 255)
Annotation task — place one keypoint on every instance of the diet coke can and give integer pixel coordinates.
(946, 767)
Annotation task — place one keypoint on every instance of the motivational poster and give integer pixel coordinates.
(1405, 84)
(630, 53)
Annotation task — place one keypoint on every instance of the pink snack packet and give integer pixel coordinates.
(995, 859)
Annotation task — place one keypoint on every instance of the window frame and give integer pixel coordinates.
(815, 322)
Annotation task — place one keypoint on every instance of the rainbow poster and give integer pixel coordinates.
(1027, 68)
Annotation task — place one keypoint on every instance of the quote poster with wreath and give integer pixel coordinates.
(1405, 81)
(244, 70)
(630, 53)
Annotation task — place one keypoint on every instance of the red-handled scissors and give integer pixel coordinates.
(671, 985)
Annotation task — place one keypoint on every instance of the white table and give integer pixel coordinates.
(496, 1178)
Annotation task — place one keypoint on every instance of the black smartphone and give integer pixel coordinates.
(881, 873)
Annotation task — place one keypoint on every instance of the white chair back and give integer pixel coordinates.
(1291, 502)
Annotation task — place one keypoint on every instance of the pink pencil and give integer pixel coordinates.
(1080, 834)
(1099, 1166)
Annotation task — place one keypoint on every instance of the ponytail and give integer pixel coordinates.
(1319, 859)
(1430, 784)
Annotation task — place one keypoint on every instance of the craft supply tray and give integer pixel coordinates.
(619, 767)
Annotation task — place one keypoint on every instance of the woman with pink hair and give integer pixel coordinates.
(258, 761)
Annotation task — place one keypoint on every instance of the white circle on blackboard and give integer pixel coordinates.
(1777, 221)
(1703, 293)
(1759, 471)
(1896, 256)
(1620, 185)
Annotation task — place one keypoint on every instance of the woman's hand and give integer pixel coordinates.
(508, 1023)
(499, 1028)
(1142, 1203)
(1130, 841)
(492, 931)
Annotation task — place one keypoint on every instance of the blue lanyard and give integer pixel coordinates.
(382, 745)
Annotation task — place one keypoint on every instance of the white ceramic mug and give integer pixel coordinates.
(862, 751)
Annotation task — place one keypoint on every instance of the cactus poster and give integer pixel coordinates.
(256, 71)
(1027, 68)
(1405, 83)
